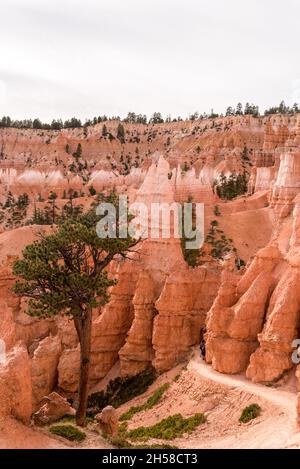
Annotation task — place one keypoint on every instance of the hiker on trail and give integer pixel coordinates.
(202, 343)
(202, 349)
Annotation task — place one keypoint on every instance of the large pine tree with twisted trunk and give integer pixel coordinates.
(64, 273)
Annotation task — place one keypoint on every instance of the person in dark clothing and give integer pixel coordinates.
(202, 342)
(202, 349)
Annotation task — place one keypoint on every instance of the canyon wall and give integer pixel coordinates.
(160, 306)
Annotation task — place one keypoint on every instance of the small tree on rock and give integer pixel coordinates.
(52, 206)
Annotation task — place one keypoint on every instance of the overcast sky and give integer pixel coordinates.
(61, 58)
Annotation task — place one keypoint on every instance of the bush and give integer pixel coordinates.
(220, 246)
(68, 431)
(77, 154)
(120, 442)
(250, 413)
(217, 211)
(72, 419)
(121, 390)
(92, 190)
(151, 402)
(131, 412)
(157, 395)
(123, 428)
(168, 428)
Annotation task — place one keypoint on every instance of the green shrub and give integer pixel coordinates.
(122, 428)
(217, 211)
(120, 442)
(134, 386)
(72, 420)
(121, 390)
(67, 419)
(168, 428)
(131, 412)
(220, 246)
(151, 402)
(250, 413)
(68, 431)
(157, 395)
(92, 190)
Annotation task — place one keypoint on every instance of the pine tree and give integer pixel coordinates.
(23, 201)
(64, 274)
(156, 118)
(121, 133)
(230, 111)
(77, 154)
(51, 201)
(37, 124)
(239, 109)
(104, 130)
(92, 190)
(10, 200)
(228, 188)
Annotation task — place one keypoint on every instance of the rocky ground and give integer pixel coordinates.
(194, 388)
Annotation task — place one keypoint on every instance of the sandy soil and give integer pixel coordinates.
(195, 388)
(14, 435)
(222, 398)
(242, 227)
(275, 428)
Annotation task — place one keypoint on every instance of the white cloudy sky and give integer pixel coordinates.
(88, 57)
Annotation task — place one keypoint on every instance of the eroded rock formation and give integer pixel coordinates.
(53, 407)
(159, 305)
(254, 330)
(15, 385)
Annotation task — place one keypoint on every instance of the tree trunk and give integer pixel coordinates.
(84, 330)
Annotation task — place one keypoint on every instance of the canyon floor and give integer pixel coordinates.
(275, 428)
(194, 388)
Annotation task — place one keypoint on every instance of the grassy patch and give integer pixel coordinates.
(168, 428)
(157, 395)
(123, 428)
(131, 412)
(68, 431)
(121, 390)
(250, 413)
(72, 420)
(67, 419)
(151, 402)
